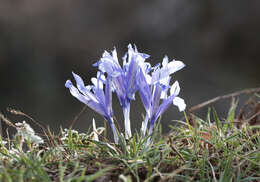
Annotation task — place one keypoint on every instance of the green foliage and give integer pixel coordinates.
(207, 150)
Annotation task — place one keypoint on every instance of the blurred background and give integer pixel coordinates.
(42, 42)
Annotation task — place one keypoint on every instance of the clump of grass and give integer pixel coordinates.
(210, 149)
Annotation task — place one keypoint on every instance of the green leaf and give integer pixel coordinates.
(217, 120)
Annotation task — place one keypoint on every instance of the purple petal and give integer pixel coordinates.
(156, 98)
(74, 92)
(79, 81)
(108, 96)
(155, 76)
(99, 81)
(109, 66)
(99, 93)
(96, 64)
(144, 91)
(164, 106)
(97, 107)
(131, 81)
(82, 98)
(81, 87)
(120, 88)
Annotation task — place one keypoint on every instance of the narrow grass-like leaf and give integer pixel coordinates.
(217, 120)
(149, 167)
(231, 116)
(228, 172)
(208, 116)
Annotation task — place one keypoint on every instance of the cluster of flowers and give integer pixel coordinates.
(136, 75)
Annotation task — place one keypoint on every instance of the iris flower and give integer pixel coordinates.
(155, 95)
(152, 83)
(124, 78)
(95, 97)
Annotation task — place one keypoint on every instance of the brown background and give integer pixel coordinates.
(41, 42)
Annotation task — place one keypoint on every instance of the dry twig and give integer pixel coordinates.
(234, 94)
(175, 150)
(77, 116)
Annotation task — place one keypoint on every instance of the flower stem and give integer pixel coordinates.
(114, 130)
(126, 111)
(144, 128)
(149, 134)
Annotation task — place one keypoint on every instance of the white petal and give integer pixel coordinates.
(96, 83)
(89, 87)
(95, 130)
(164, 95)
(106, 54)
(175, 88)
(148, 79)
(28, 128)
(36, 139)
(179, 102)
(114, 54)
(174, 66)
(101, 76)
(124, 60)
(165, 61)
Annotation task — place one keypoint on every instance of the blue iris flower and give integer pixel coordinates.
(154, 93)
(95, 97)
(152, 83)
(124, 78)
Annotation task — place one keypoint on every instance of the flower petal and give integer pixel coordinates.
(120, 88)
(108, 96)
(74, 92)
(165, 61)
(95, 138)
(79, 81)
(157, 91)
(85, 90)
(130, 79)
(179, 102)
(175, 88)
(109, 64)
(144, 91)
(84, 99)
(114, 55)
(174, 66)
(164, 106)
